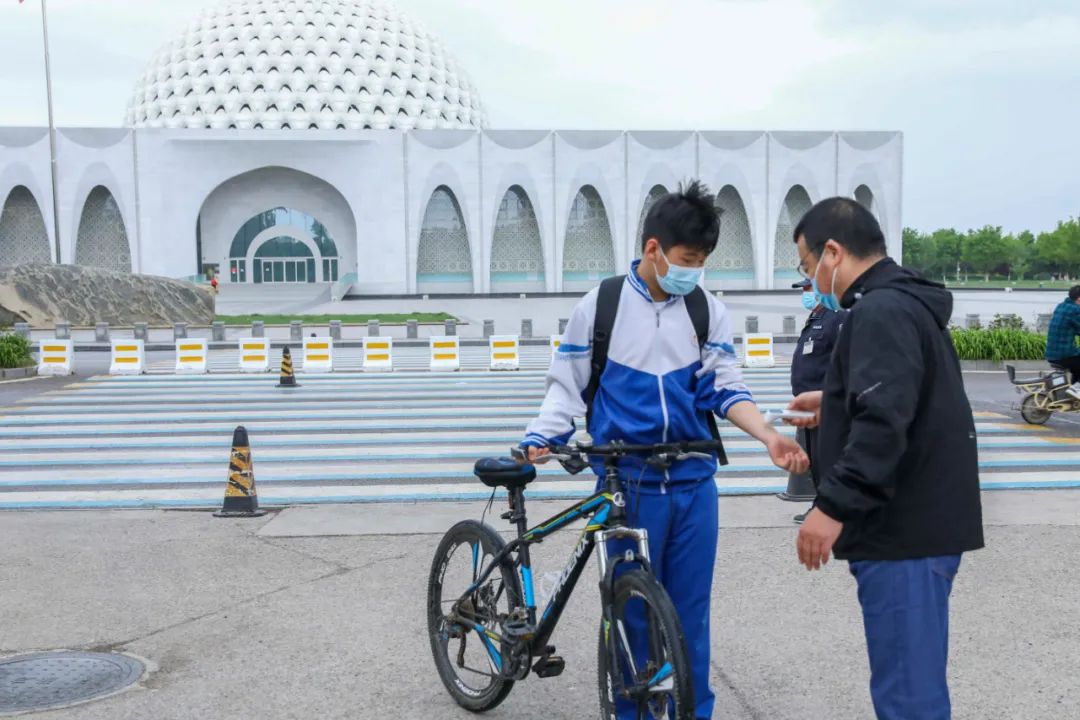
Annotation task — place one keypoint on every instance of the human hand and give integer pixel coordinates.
(786, 454)
(817, 536)
(533, 453)
(806, 402)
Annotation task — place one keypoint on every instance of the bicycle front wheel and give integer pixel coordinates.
(644, 668)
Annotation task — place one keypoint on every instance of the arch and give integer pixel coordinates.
(865, 197)
(23, 237)
(655, 193)
(102, 239)
(443, 258)
(733, 259)
(517, 252)
(785, 253)
(283, 245)
(588, 249)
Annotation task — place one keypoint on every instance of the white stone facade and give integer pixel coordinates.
(357, 205)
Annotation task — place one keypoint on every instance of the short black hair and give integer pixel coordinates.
(1074, 292)
(688, 217)
(847, 222)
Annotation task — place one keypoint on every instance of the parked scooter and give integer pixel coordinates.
(1044, 395)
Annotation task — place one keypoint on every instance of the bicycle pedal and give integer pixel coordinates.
(549, 666)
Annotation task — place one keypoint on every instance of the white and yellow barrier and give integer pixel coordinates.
(128, 357)
(505, 352)
(445, 353)
(378, 354)
(254, 355)
(191, 355)
(318, 355)
(556, 341)
(758, 351)
(55, 357)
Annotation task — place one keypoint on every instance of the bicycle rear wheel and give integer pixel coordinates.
(463, 654)
(650, 677)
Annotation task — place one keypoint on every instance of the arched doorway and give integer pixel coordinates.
(588, 250)
(23, 238)
(443, 260)
(283, 245)
(865, 197)
(517, 254)
(657, 192)
(731, 265)
(102, 239)
(786, 252)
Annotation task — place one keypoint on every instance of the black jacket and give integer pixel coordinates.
(813, 352)
(897, 445)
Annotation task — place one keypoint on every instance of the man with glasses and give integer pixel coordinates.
(896, 452)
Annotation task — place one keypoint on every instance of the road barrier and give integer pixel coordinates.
(55, 357)
(445, 353)
(191, 356)
(758, 351)
(254, 355)
(241, 499)
(505, 353)
(128, 357)
(318, 355)
(378, 354)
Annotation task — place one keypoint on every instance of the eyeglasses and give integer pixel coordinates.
(801, 269)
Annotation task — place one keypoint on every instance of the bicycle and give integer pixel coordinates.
(646, 667)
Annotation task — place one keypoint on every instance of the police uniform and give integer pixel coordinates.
(813, 354)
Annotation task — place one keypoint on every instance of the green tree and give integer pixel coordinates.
(985, 250)
(1058, 251)
(1021, 253)
(948, 245)
(918, 251)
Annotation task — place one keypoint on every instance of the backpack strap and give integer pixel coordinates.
(607, 306)
(697, 306)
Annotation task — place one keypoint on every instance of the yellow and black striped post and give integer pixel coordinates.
(288, 376)
(240, 497)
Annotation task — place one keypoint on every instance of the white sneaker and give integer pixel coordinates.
(1074, 391)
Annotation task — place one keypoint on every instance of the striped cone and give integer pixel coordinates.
(288, 376)
(240, 497)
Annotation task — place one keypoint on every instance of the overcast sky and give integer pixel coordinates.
(987, 93)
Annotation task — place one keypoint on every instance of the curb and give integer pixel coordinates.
(992, 366)
(18, 373)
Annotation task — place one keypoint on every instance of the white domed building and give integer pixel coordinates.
(336, 146)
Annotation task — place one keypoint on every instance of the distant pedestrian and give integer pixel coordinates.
(899, 494)
(813, 352)
(213, 284)
(1061, 349)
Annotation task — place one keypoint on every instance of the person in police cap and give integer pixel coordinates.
(811, 360)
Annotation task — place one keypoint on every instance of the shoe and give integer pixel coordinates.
(799, 518)
(1074, 391)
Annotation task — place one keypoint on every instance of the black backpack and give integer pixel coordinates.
(607, 306)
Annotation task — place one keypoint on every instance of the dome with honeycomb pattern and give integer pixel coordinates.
(300, 64)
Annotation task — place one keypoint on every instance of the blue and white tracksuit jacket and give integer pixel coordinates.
(658, 384)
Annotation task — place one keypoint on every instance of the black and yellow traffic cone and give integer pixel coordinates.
(240, 497)
(288, 377)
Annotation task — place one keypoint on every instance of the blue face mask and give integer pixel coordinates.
(809, 300)
(830, 302)
(679, 280)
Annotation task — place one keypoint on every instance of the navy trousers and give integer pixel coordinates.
(682, 525)
(905, 605)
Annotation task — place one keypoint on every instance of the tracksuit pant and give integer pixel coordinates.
(905, 605)
(682, 526)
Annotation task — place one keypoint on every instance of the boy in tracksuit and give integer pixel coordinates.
(659, 385)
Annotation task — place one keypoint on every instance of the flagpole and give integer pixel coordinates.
(52, 131)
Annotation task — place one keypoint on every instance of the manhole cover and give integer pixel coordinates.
(53, 679)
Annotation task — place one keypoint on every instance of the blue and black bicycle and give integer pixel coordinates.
(482, 612)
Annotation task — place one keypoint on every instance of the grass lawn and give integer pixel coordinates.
(387, 318)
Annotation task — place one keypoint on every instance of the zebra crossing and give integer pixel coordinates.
(164, 440)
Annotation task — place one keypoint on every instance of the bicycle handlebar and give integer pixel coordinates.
(684, 450)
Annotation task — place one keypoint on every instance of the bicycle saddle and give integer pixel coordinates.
(504, 472)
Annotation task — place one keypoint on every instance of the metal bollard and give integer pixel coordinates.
(179, 331)
(296, 330)
(23, 330)
(450, 327)
(789, 324)
(562, 325)
(101, 332)
(258, 328)
(489, 328)
(63, 330)
(411, 329)
(335, 329)
(217, 331)
(971, 322)
(1042, 323)
(526, 328)
(141, 331)
(373, 328)
(751, 324)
